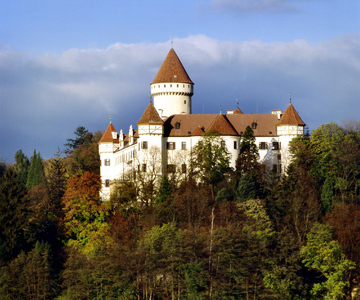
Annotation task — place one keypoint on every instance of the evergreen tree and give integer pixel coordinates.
(247, 161)
(22, 165)
(81, 137)
(13, 216)
(36, 171)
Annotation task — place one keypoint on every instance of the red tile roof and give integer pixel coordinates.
(290, 117)
(222, 126)
(107, 136)
(150, 116)
(237, 111)
(266, 123)
(198, 132)
(172, 70)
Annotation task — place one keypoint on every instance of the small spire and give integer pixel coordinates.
(237, 103)
(290, 97)
(110, 118)
(220, 108)
(172, 44)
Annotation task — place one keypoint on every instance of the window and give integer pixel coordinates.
(107, 162)
(184, 101)
(107, 182)
(183, 145)
(279, 156)
(253, 125)
(170, 169)
(177, 125)
(223, 145)
(183, 168)
(276, 146)
(170, 145)
(144, 145)
(235, 144)
(143, 167)
(263, 146)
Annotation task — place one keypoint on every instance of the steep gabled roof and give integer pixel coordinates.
(107, 136)
(238, 111)
(290, 117)
(150, 116)
(222, 125)
(172, 70)
(198, 132)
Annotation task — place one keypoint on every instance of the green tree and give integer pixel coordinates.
(36, 171)
(81, 137)
(164, 204)
(30, 276)
(325, 255)
(247, 162)
(21, 166)
(85, 214)
(210, 160)
(246, 188)
(14, 216)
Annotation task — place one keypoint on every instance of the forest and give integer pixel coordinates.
(220, 233)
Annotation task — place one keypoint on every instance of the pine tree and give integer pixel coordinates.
(80, 139)
(247, 161)
(13, 216)
(22, 165)
(36, 171)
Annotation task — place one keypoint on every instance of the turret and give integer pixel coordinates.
(172, 88)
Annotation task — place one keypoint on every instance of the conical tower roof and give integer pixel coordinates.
(150, 116)
(107, 137)
(222, 126)
(172, 70)
(290, 117)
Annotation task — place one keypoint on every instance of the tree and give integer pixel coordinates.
(21, 166)
(164, 204)
(30, 275)
(84, 213)
(36, 171)
(81, 137)
(325, 255)
(209, 160)
(246, 188)
(14, 216)
(247, 162)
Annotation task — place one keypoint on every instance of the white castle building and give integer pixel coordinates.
(167, 132)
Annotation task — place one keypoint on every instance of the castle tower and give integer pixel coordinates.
(172, 88)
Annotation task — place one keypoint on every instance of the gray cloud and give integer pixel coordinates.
(44, 98)
(257, 6)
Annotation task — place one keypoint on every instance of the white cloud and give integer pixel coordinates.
(47, 96)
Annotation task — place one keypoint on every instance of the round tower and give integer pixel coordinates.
(172, 88)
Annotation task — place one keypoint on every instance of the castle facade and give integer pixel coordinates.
(167, 132)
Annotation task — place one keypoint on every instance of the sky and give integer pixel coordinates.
(67, 63)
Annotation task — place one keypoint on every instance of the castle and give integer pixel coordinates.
(167, 132)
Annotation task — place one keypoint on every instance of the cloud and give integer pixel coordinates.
(44, 98)
(256, 6)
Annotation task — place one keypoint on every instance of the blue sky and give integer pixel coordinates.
(69, 63)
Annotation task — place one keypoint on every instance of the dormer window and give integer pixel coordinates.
(177, 125)
(253, 125)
